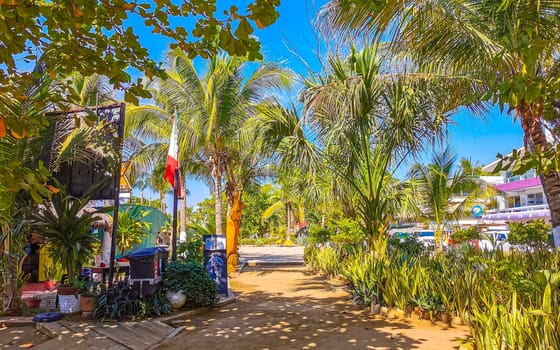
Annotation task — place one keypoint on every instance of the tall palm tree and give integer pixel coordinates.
(507, 48)
(367, 121)
(212, 108)
(435, 185)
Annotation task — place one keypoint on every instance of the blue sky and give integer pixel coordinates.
(479, 140)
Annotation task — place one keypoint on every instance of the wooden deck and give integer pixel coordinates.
(114, 336)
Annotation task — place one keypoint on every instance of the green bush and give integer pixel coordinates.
(192, 250)
(534, 233)
(466, 235)
(193, 280)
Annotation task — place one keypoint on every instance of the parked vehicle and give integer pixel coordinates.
(493, 240)
(427, 237)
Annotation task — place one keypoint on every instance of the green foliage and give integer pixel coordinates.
(255, 203)
(408, 246)
(120, 303)
(192, 250)
(104, 41)
(536, 234)
(462, 236)
(66, 227)
(326, 260)
(510, 300)
(261, 242)
(131, 228)
(342, 232)
(366, 278)
(191, 278)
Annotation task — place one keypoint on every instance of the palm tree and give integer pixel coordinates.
(131, 230)
(507, 49)
(285, 198)
(367, 122)
(435, 185)
(212, 108)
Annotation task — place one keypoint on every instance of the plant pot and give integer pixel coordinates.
(48, 285)
(68, 303)
(66, 290)
(375, 309)
(383, 311)
(33, 303)
(408, 311)
(176, 299)
(87, 303)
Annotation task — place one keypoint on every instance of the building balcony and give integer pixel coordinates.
(520, 213)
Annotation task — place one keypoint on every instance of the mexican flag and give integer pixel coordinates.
(173, 157)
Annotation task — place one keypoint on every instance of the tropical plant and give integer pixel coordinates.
(284, 198)
(462, 236)
(436, 184)
(191, 278)
(367, 122)
(131, 228)
(211, 109)
(121, 302)
(504, 51)
(65, 224)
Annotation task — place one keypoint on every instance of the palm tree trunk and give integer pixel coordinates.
(183, 212)
(218, 196)
(531, 122)
(235, 211)
(288, 221)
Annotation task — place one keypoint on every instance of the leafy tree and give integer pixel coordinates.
(506, 50)
(255, 203)
(131, 229)
(98, 37)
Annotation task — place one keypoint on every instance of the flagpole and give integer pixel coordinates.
(174, 233)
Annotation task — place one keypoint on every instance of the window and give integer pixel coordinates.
(514, 202)
(535, 198)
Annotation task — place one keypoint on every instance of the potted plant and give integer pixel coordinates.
(66, 224)
(87, 294)
(192, 280)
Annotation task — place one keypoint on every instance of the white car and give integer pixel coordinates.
(493, 240)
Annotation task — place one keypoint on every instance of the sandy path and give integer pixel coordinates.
(292, 308)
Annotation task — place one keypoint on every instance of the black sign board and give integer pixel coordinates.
(80, 175)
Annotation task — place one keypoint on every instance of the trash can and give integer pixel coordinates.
(146, 269)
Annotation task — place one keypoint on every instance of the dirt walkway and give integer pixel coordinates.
(291, 308)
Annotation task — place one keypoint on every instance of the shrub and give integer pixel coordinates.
(465, 235)
(193, 280)
(120, 302)
(408, 246)
(192, 250)
(535, 233)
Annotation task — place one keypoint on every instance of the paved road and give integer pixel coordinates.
(270, 255)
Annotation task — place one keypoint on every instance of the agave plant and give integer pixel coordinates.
(66, 226)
